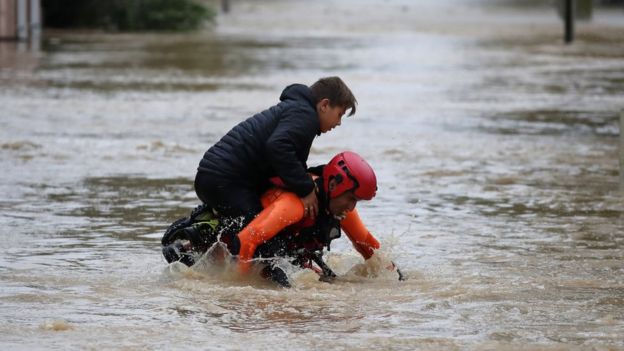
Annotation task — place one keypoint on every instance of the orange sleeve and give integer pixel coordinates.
(281, 209)
(363, 241)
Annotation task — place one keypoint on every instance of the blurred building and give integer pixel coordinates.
(20, 19)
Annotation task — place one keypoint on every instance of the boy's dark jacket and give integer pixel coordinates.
(274, 142)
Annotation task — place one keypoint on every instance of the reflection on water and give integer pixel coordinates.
(494, 144)
(170, 62)
(556, 122)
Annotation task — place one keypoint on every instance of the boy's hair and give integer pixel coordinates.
(338, 93)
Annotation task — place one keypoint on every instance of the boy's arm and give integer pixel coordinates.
(285, 208)
(294, 133)
(363, 241)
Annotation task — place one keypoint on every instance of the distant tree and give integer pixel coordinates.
(126, 15)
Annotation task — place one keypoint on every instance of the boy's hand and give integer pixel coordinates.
(310, 204)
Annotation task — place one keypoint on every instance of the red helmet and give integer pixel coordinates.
(351, 172)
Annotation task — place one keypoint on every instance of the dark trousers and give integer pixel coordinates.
(236, 204)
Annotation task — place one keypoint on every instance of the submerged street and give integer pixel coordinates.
(495, 147)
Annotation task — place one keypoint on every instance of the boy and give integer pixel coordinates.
(276, 142)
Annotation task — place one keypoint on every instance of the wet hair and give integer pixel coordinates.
(338, 93)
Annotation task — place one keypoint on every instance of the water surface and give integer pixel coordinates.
(495, 147)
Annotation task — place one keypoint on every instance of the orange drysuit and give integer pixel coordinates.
(283, 209)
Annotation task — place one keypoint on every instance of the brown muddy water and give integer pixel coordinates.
(495, 145)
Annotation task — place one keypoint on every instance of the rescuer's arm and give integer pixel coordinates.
(363, 241)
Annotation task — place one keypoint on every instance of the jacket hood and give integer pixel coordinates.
(298, 92)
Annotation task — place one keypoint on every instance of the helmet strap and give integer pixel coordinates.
(328, 196)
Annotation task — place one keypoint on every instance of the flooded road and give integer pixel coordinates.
(495, 146)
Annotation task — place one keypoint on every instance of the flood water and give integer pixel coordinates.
(495, 146)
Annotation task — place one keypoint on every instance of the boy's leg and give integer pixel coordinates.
(237, 206)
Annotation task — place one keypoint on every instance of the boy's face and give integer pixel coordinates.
(329, 116)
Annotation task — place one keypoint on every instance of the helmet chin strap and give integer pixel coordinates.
(328, 199)
(328, 196)
(341, 216)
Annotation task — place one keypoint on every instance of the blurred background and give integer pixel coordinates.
(494, 137)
